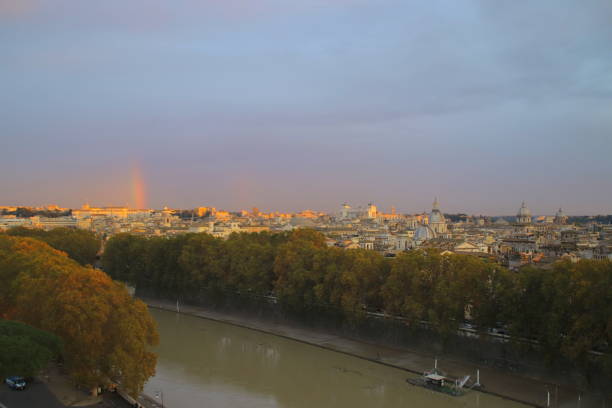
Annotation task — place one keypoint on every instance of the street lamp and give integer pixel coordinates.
(160, 396)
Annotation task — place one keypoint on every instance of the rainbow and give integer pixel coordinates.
(139, 190)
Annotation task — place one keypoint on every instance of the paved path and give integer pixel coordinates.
(36, 395)
(531, 391)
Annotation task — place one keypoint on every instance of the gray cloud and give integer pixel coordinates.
(309, 104)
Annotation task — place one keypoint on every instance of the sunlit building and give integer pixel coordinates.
(372, 211)
(116, 212)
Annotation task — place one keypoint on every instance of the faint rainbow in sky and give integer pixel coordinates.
(139, 189)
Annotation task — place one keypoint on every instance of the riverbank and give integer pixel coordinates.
(69, 395)
(528, 390)
(65, 391)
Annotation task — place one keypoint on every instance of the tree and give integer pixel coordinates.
(106, 333)
(162, 270)
(203, 266)
(25, 350)
(80, 245)
(566, 309)
(125, 257)
(297, 271)
(251, 262)
(362, 280)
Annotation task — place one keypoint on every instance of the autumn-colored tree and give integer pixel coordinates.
(80, 245)
(106, 333)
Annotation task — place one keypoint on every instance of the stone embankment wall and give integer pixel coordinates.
(480, 349)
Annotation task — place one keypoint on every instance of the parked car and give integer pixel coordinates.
(16, 383)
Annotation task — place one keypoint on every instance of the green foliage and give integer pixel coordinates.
(251, 262)
(25, 350)
(125, 257)
(202, 264)
(23, 212)
(80, 245)
(566, 309)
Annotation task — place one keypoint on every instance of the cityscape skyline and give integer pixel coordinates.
(392, 209)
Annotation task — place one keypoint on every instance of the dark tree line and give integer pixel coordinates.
(25, 350)
(583, 219)
(567, 309)
(80, 245)
(24, 212)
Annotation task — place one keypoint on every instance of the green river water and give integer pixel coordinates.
(203, 363)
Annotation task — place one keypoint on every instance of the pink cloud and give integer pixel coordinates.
(16, 8)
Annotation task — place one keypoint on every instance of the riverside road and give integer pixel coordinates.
(35, 395)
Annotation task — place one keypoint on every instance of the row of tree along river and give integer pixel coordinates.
(565, 310)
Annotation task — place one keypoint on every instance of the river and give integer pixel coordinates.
(203, 363)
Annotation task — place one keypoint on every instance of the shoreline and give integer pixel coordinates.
(527, 391)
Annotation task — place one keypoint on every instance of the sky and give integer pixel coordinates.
(288, 105)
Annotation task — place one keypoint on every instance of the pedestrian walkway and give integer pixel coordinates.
(65, 391)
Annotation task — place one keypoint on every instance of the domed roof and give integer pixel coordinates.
(436, 216)
(560, 213)
(423, 233)
(524, 211)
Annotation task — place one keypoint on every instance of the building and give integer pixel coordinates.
(523, 217)
(115, 212)
(560, 218)
(372, 211)
(51, 223)
(437, 222)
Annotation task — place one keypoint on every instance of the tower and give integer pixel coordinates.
(560, 217)
(345, 211)
(372, 211)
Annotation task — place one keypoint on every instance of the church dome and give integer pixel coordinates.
(436, 216)
(501, 221)
(524, 211)
(560, 218)
(424, 233)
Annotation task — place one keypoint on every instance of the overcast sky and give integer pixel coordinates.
(287, 105)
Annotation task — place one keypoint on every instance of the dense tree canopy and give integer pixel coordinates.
(106, 333)
(25, 350)
(80, 245)
(566, 309)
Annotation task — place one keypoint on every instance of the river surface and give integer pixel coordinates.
(203, 363)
